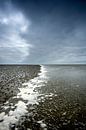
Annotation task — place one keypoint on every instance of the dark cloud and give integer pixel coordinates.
(55, 33)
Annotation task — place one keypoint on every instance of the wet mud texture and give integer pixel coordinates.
(12, 77)
(62, 107)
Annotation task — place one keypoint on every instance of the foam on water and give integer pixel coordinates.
(27, 93)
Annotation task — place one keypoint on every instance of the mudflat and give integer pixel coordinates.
(45, 97)
(12, 77)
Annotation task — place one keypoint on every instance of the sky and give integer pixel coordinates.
(42, 31)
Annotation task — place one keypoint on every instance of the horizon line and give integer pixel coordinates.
(42, 64)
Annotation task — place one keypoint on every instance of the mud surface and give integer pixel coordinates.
(12, 77)
(45, 98)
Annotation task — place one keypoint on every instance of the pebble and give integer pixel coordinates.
(64, 113)
(2, 116)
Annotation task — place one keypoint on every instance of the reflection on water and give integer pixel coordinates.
(55, 100)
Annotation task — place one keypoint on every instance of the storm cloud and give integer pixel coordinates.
(13, 25)
(43, 32)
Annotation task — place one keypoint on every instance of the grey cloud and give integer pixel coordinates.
(13, 47)
(43, 32)
(63, 47)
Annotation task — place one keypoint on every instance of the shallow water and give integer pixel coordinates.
(55, 99)
(64, 102)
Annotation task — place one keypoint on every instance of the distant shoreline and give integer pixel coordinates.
(42, 64)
